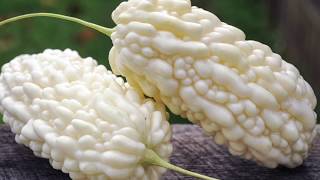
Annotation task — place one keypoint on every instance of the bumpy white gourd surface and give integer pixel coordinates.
(239, 91)
(81, 117)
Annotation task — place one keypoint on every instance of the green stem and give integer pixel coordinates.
(104, 30)
(152, 158)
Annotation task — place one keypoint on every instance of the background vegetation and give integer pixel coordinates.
(35, 35)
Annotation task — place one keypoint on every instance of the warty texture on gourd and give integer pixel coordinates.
(81, 117)
(239, 91)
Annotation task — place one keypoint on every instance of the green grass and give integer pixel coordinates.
(35, 35)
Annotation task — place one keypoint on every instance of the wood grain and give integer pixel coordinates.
(192, 150)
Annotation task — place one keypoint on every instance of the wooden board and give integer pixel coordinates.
(192, 150)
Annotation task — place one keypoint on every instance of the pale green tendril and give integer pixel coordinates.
(151, 157)
(104, 30)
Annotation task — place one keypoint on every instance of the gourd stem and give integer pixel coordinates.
(152, 158)
(104, 30)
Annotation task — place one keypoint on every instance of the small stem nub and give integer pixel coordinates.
(152, 158)
(104, 30)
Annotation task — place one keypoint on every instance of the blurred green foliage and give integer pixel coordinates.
(35, 35)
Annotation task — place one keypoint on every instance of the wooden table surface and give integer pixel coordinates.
(192, 150)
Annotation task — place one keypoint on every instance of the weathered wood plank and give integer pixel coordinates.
(192, 150)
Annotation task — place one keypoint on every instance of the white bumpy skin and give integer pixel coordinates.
(239, 91)
(81, 117)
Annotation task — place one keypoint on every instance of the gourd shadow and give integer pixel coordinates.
(18, 162)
